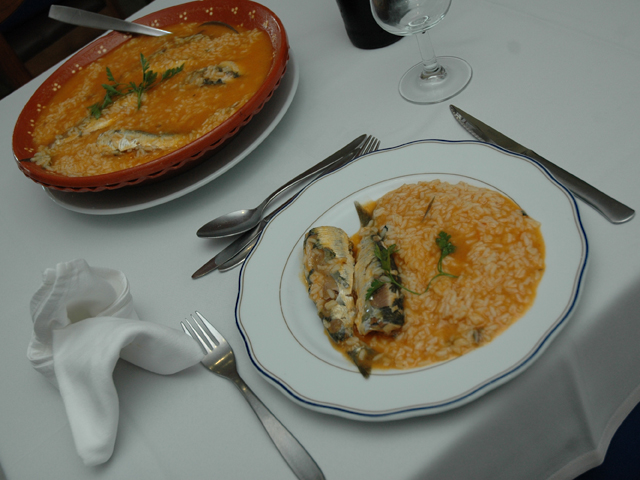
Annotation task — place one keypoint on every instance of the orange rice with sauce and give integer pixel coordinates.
(498, 261)
(173, 113)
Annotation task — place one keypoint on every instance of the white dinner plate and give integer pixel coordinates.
(131, 199)
(284, 336)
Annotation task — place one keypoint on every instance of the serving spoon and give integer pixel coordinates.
(75, 16)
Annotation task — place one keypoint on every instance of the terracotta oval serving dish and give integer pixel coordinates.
(239, 12)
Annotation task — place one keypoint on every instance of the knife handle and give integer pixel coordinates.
(615, 211)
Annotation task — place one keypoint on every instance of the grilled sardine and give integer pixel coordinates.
(220, 74)
(382, 311)
(121, 141)
(329, 272)
(328, 269)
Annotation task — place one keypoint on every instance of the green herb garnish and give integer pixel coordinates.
(446, 248)
(117, 89)
(384, 255)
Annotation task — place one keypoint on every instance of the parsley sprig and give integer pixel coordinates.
(446, 248)
(384, 255)
(443, 241)
(117, 89)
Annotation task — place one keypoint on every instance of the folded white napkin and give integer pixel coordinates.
(83, 321)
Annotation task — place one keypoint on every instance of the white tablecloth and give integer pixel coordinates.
(559, 76)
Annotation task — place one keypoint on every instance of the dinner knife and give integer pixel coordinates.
(611, 209)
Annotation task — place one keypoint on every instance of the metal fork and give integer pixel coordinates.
(220, 360)
(371, 145)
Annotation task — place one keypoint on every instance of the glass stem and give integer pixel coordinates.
(431, 69)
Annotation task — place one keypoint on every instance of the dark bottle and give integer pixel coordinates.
(362, 29)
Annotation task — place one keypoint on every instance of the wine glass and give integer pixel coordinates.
(435, 79)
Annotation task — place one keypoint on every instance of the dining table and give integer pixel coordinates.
(559, 76)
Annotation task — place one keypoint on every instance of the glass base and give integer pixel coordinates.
(436, 89)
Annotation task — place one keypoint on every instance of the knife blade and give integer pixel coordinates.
(245, 250)
(226, 254)
(611, 209)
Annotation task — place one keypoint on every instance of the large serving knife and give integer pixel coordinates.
(611, 209)
(75, 16)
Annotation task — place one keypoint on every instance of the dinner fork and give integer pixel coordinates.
(371, 145)
(220, 360)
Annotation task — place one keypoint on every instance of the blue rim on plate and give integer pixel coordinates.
(284, 337)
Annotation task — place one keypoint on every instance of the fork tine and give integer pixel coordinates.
(193, 333)
(367, 145)
(363, 148)
(212, 342)
(371, 145)
(186, 330)
(374, 145)
(212, 330)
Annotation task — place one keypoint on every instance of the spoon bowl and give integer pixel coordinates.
(234, 222)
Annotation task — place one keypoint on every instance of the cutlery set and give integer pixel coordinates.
(234, 254)
(243, 220)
